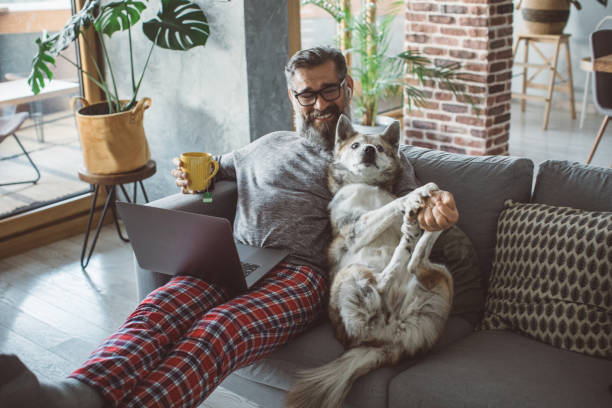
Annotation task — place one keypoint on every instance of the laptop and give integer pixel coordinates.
(173, 242)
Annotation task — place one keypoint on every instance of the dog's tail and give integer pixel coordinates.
(327, 386)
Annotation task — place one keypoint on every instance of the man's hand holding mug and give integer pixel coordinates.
(194, 171)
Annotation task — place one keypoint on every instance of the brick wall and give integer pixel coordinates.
(478, 34)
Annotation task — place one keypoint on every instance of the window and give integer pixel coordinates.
(49, 134)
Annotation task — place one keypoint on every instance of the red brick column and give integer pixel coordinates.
(478, 34)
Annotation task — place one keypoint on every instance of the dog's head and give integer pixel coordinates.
(361, 158)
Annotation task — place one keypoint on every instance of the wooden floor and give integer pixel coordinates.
(53, 315)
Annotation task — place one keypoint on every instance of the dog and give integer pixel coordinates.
(387, 300)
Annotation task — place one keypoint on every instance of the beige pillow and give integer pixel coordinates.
(552, 277)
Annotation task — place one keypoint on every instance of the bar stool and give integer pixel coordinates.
(550, 63)
(110, 183)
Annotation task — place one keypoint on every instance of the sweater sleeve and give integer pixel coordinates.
(227, 168)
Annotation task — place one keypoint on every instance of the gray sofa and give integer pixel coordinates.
(467, 368)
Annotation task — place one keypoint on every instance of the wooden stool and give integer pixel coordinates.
(550, 63)
(110, 183)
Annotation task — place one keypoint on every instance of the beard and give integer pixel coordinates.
(322, 134)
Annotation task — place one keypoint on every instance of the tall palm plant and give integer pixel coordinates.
(179, 25)
(378, 73)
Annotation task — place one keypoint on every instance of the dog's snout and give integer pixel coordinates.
(369, 155)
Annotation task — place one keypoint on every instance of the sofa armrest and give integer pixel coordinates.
(223, 205)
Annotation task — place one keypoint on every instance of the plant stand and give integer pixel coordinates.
(550, 64)
(110, 183)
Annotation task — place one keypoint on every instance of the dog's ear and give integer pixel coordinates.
(391, 135)
(344, 129)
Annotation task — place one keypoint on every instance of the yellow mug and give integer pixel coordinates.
(200, 169)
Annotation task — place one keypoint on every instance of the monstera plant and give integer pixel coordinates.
(112, 132)
(179, 25)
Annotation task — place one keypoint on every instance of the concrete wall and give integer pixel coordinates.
(214, 98)
(580, 25)
(266, 27)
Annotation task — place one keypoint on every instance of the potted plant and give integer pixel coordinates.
(365, 42)
(548, 16)
(112, 135)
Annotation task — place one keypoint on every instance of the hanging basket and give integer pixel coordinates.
(112, 143)
(545, 16)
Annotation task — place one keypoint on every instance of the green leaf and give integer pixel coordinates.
(73, 27)
(119, 16)
(41, 62)
(180, 25)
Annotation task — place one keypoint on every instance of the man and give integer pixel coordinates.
(188, 335)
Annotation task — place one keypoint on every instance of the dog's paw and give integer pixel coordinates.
(426, 190)
(413, 203)
(415, 200)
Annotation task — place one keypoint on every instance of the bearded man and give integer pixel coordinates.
(188, 335)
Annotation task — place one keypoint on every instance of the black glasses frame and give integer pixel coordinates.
(320, 92)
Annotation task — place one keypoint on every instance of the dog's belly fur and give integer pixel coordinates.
(348, 204)
(396, 318)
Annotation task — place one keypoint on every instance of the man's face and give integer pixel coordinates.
(318, 121)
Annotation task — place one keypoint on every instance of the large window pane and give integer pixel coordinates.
(49, 134)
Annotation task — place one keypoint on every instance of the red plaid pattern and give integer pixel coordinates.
(187, 336)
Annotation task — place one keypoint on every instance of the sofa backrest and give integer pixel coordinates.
(576, 185)
(480, 185)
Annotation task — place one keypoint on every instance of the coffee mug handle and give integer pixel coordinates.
(214, 163)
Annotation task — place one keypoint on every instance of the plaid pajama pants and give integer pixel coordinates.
(187, 336)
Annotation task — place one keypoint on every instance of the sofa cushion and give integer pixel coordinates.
(503, 369)
(480, 186)
(551, 277)
(575, 185)
(318, 346)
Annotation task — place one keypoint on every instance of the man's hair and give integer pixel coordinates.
(313, 57)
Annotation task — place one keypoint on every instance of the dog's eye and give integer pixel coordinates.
(379, 148)
(355, 145)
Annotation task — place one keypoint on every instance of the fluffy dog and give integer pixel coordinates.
(387, 300)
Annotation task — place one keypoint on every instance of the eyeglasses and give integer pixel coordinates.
(329, 93)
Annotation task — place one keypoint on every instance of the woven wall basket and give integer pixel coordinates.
(545, 16)
(112, 143)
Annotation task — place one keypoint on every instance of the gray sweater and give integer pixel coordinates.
(282, 196)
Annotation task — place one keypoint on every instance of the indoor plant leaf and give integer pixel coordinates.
(180, 25)
(81, 20)
(40, 64)
(118, 16)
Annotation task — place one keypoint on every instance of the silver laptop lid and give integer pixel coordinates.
(171, 242)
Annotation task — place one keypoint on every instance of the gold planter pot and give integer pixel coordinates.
(112, 143)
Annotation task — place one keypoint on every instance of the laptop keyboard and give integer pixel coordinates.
(248, 268)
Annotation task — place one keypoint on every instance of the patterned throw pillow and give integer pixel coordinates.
(552, 277)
